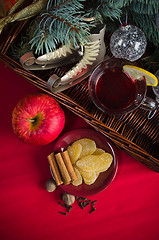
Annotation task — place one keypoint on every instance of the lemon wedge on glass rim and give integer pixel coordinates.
(136, 72)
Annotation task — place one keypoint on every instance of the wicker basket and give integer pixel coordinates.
(132, 132)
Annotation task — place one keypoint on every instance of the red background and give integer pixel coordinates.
(127, 209)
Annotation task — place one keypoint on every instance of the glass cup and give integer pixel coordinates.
(113, 92)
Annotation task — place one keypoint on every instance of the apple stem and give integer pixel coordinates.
(31, 120)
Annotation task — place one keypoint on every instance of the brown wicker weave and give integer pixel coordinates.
(132, 132)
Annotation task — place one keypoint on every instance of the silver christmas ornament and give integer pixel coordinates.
(128, 42)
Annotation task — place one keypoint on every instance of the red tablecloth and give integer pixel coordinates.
(128, 209)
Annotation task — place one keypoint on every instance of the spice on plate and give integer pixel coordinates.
(62, 168)
(69, 166)
(55, 169)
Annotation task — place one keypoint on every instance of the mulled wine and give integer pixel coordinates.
(115, 90)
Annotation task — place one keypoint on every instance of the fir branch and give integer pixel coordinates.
(144, 7)
(58, 3)
(104, 9)
(17, 51)
(61, 23)
(23, 46)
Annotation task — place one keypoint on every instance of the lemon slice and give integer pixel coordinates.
(136, 72)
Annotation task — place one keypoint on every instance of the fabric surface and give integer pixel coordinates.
(128, 209)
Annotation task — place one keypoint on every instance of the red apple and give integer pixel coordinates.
(38, 119)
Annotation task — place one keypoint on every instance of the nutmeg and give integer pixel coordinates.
(68, 199)
(50, 185)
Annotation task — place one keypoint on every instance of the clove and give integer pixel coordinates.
(63, 213)
(68, 207)
(92, 206)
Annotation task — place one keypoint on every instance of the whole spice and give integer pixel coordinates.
(69, 166)
(83, 202)
(68, 207)
(63, 170)
(69, 199)
(63, 213)
(50, 185)
(54, 168)
(92, 205)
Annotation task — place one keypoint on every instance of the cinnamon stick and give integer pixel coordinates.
(64, 172)
(55, 169)
(69, 166)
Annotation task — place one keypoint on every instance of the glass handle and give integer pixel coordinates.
(150, 105)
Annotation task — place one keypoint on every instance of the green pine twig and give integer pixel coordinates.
(61, 24)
